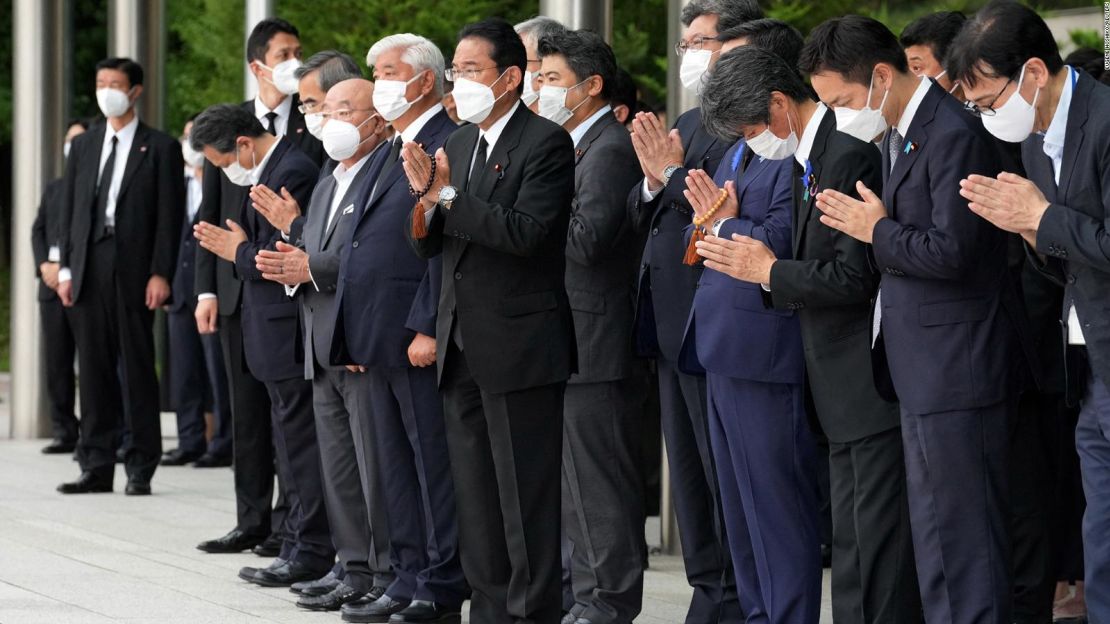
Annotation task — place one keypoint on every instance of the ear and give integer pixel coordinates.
(256, 68)
(1037, 72)
(595, 85)
(884, 78)
(513, 78)
(138, 92)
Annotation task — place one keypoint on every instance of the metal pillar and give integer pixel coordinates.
(136, 29)
(38, 81)
(257, 10)
(595, 15)
(679, 99)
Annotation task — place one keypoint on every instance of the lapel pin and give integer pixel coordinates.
(500, 171)
(578, 153)
(910, 147)
(142, 148)
(300, 130)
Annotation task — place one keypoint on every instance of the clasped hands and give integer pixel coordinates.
(418, 169)
(743, 258)
(655, 148)
(1010, 202)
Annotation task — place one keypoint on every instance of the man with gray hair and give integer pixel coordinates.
(531, 31)
(315, 78)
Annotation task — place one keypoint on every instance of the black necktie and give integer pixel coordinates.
(103, 187)
(271, 126)
(479, 164)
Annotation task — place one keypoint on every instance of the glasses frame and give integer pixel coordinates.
(451, 74)
(989, 111)
(698, 43)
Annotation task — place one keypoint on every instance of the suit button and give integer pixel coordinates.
(458, 276)
(1071, 278)
(655, 231)
(355, 244)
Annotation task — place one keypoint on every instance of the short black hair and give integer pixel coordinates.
(625, 90)
(738, 90)
(78, 121)
(219, 125)
(729, 12)
(851, 46)
(935, 30)
(769, 34)
(998, 42)
(506, 48)
(586, 54)
(133, 70)
(334, 68)
(259, 40)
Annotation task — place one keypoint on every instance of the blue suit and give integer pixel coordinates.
(386, 295)
(764, 452)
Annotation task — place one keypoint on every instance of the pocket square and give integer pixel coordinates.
(349, 209)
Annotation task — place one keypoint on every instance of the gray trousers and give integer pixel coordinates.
(352, 489)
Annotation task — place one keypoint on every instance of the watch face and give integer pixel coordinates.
(447, 193)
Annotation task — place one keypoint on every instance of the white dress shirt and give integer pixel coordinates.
(413, 130)
(193, 191)
(584, 127)
(809, 135)
(283, 110)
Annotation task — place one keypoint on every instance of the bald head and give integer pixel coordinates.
(352, 101)
(354, 94)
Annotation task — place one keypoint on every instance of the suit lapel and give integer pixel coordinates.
(134, 158)
(348, 201)
(1038, 167)
(498, 160)
(914, 141)
(804, 201)
(592, 135)
(1077, 118)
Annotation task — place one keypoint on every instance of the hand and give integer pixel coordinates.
(743, 258)
(219, 241)
(207, 312)
(1010, 202)
(157, 292)
(854, 217)
(49, 272)
(355, 368)
(279, 210)
(288, 265)
(418, 167)
(655, 148)
(422, 350)
(702, 193)
(65, 293)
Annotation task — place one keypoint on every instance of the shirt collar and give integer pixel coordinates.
(414, 128)
(911, 107)
(342, 174)
(1058, 127)
(282, 109)
(261, 166)
(805, 143)
(584, 127)
(497, 128)
(125, 134)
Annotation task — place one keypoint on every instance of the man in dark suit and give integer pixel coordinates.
(59, 346)
(497, 207)
(603, 506)
(946, 317)
(198, 380)
(122, 206)
(1060, 211)
(831, 284)
(273, 41)
(228, 134)
(664, 295)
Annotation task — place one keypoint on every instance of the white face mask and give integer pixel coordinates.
(530, 95)
(767, 145)
(192, 157)
(282, 75)
(240, 175)
(864, 124)
(940, 75)
(341, 138)
(314, 123)
(695, 64)
(113, 102)
(389, 97)
(1013, 121)
(65, 150)
(553, 102)
(473, 100)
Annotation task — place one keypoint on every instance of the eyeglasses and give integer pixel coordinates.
(343, 114)
(307, 109)
(988, 110)
(697, 43)
(453, 74)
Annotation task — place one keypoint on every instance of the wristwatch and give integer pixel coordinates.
(668, 171)
(447, 196)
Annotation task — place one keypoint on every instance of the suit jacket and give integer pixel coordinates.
(44, 232)
(831, 283)
(182, 298)
(504, 244)
(1072, 233)
(224, 199)
(386, 292)
(950, 315)
(665, 286)
(730, 331)
(271, 338)
(602, 250)
(149, 208)
(324, 243)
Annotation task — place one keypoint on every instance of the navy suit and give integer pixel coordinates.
(949, 322)
(664, 294)
(271, 341)
(386, 295)
(765, 453)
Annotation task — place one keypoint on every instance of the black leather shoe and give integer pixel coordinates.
(286, 575)
(178, 457)
(331, 601)
(271, 547)
(87, 483)
(233, 542)
(379, 610)
(137, 488)
(247, 573)
(58, 446)
(318, 587)
(426, 611)
(209, 460)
